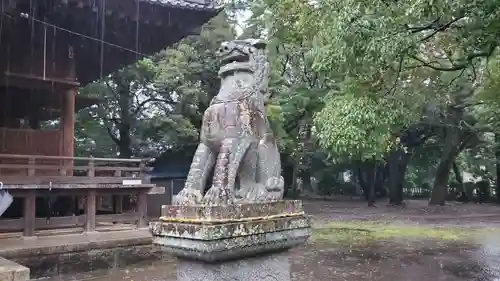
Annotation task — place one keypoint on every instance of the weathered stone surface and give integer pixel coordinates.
(235, 247)
(222, 236)
(227, 230)
(11, 271)
(215, 213)
(273, 267)
(236, 140)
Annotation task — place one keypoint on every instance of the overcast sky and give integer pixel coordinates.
(241, 18)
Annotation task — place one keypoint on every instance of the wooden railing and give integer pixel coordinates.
(31, 175)
(40, 170)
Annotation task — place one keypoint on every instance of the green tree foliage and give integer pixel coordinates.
(488, 96)
(126, 100)
(156, 104)
(359, 127)
(373, 48)
(388, 65)
(361, 85)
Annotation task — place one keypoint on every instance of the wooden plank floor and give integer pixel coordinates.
(63, 241)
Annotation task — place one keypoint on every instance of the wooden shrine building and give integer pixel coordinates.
(48, 49)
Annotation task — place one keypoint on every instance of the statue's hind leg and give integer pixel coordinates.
(199, 171)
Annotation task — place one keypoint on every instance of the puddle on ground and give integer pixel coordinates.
(381, 261)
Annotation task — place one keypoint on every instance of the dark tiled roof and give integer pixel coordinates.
(206, 5)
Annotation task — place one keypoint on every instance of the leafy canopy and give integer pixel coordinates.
(379, 60)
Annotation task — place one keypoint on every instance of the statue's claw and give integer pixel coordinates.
(254, 192)
(275, 184)
(188, 196)
(217, 195)
(275, 189)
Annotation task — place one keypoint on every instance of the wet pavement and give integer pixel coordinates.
(396, 259)
(402, 260)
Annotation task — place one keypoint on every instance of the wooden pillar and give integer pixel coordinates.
(68, 129)
(90, 211)
(142, 208)
(29, 214)
(90, 204)
(117, 204)
(31, 169)
(117, 199)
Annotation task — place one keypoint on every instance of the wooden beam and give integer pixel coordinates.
(68, 128)
(31, 165)
(33, 81)
(29, 214)
(83, 191)
(91, 169)
(90, 211)
(47, 157)
(31, 169)
(61, 180)
(117, 204)
(142, 209)
(12, 225)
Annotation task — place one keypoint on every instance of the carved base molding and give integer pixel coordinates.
(219, 233)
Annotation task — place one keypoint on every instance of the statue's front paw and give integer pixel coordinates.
(188, 196)
(218, 196)
(275, 184)
(275, 187)
(255, 192)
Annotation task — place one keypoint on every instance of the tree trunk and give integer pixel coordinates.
(125, 143)
(294, 190)
(308, 147)
(497, 165)
(398, 164)
(380, 191)
(463, 196)
(450, 152)
(362, 182)
(287, 174)
(440, 186)
(125, 102)
(306, 181)
(458, 176)
(371, 180)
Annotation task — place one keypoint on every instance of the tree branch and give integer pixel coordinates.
(143, 104)
(287, 58)
(468, 59)
(462, 106)
(400, 68)
(440, 28)
(417, 29)
(116, 140)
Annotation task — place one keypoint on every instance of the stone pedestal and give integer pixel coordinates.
(11, 271)
(236, 242)
(270, 267)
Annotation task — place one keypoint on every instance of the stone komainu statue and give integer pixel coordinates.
(236, 140)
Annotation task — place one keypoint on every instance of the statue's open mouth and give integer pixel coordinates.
(235, 61)
(234, 57)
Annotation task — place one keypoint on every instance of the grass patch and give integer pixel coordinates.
(358, 232)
